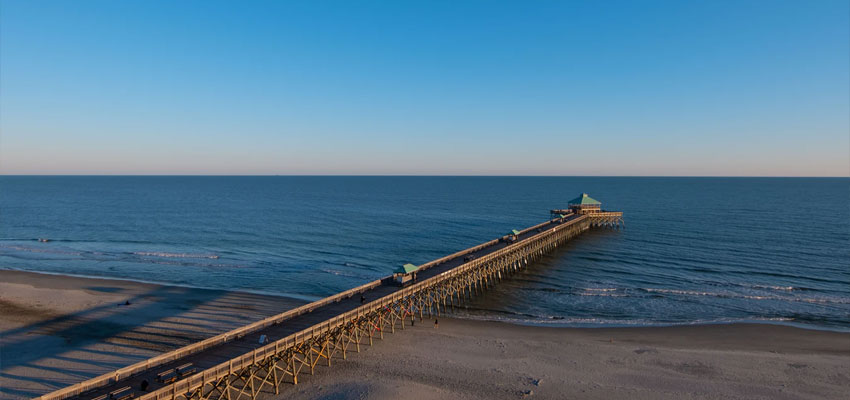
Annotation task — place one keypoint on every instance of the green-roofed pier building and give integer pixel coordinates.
(583, 205)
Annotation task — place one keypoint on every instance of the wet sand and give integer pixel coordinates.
(60, 330)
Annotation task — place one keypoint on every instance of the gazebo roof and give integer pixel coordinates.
(406, 269)
(584, 200)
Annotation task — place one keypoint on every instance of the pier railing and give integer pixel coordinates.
(270, 354)
(197, 381)
(193, 348)
(473, 249)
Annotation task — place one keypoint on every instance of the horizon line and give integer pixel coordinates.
(428, 175)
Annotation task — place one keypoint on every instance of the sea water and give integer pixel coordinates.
(694, 250)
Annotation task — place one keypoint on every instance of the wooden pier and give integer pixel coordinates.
(236, 365)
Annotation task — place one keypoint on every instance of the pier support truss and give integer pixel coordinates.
(284, 361)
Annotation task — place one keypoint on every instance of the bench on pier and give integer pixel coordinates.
(125, 393)
(166, 376)
(185, 369)
(101, 397)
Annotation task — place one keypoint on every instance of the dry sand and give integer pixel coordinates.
(60, 330)
(490, 360)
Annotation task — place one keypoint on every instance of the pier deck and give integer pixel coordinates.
(297, 339)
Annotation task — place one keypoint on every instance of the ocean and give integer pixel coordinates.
(694, 250)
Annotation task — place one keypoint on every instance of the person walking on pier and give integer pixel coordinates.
(362, 299)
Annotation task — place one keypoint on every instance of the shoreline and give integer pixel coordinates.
(58, 330)
(553, 323)
(294, 296)
(557, 325)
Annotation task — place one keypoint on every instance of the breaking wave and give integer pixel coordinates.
(174, 255)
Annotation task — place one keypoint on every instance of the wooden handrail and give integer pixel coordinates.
(268, 350)
(217, 371)
(198, 346)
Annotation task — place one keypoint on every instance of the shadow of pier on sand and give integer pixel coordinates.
(58, 351)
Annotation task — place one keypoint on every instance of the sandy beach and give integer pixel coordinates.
(59, 330)
(490, 360)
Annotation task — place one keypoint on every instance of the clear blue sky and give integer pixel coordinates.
(426, 87)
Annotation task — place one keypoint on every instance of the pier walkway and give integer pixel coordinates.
(237, 365)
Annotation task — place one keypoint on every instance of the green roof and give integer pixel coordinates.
(406, 269)
(584, 200)
(514, 231)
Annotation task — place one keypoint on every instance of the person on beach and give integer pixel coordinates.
(436, 323)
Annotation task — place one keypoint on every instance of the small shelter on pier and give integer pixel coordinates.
(511, 237)
(405, 274)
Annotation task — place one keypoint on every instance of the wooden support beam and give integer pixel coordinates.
(266, 368)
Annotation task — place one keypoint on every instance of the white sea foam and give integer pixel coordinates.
(732, 295)
(769, 287)
(610, 322)
(174, 255)
(686, 292)
(785, 288)
(602, 292)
